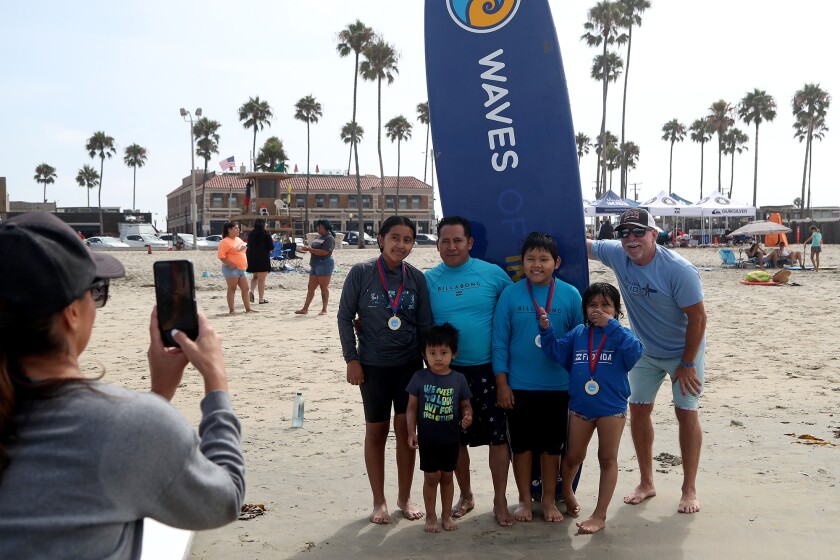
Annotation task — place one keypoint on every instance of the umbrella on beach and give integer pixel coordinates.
(760, 227)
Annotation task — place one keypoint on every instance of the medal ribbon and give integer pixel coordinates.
(395, 301)
(548, 301)
(593, 358)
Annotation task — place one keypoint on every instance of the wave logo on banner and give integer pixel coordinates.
(482, 16)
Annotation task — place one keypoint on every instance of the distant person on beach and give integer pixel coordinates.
(664, 298)
(756, 252)
(83, 462)
(606, 231)
(597, 354)
(391, 300)
(321, 266)
(531, 388)
(816, 246)
(438, 409)
(258, 255)
(787, 257)
(234, 263)
(464, 292)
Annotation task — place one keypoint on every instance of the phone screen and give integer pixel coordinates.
(175, 294)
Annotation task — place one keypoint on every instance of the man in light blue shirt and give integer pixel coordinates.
(464, 291)
(664, 299)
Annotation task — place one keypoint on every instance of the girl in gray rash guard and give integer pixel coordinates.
(391, 300)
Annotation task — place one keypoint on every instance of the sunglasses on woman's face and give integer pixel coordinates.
(636, 231)
(99, 292)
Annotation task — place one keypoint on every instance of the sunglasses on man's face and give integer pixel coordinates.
(636, 231)
(99, 292)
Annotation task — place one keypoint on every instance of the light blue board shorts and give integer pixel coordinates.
(233, 273)
(648, 374)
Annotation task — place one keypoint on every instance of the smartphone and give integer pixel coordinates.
(175, 294)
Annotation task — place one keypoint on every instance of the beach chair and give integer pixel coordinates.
(284, 257)
(728, 259)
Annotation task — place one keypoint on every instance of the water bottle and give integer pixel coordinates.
(297, 411)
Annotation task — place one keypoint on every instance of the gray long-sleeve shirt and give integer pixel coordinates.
(88, 466)
(364, 295)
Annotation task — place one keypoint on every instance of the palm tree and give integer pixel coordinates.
(602, 29)
(720, 119)
(583, 144)
(89, 178)
(102, 145)
(673, 131)
(380, 62)
(757, 106)
(354, 39)
(207, 144)
(352, 133)
(809, 105)
(801, 133)
(632, 16)
(629, 157)
(701, 134)
(399, 129)
(307, 110)
(612, 142)
(613, 71)
(613, 160)
(255, 114)
(135, 156)
(271, 154)
(734, 142)
(45, 173)
(423, 117)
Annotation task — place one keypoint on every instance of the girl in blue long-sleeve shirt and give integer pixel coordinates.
(597, 354)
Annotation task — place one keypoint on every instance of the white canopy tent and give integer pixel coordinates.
(664, 205)
(718, 206)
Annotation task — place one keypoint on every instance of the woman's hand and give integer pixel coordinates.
(166, 365)
(355, 374)
(205, 354)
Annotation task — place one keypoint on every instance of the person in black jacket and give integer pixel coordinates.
(260, 246)
(606, 231)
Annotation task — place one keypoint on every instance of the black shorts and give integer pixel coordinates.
(816, 249)
(438, 456)
(384, 386)
(489, 425)
(538, 421)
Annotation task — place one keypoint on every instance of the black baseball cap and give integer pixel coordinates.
(636, 217)
(45, 266)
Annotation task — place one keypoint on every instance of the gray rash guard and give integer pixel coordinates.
(364, 295)
(86, 467)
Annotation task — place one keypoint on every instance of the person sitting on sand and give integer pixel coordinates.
(787, 257)
(438, 409)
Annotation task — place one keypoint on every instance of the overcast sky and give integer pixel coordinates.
(71, 69)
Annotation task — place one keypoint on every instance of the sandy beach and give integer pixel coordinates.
(773, 375)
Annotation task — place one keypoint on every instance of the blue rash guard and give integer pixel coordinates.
(466, 296)
(515, 328)
(619, 354)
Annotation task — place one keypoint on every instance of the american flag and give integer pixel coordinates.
(227, 164)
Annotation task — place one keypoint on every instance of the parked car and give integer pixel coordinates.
(186, 238)
(105, 241)
(211, 240)
(425, 239)
(143, 239)
(352, 238)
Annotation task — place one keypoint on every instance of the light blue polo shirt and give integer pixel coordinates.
(655, 295)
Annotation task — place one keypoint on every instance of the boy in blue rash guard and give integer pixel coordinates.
(597, 355)
(532, 388)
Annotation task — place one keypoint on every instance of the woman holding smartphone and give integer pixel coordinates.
(234, 264)
(391, 300)
(82, 462)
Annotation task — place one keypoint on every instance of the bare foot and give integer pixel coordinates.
(448, 524)
(572, 506)
(591, 525)
(323, 312)
(380, 515)
(550, 512)
(463, 507)
(689, 503)
(301, 312)
(250, 310)
(523, 511)
(431, 525)
(639, 494)
(411, 511)
(503, 516)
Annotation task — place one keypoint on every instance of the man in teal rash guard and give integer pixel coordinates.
(463, 291)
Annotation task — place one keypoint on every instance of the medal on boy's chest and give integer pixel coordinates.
(537, 307)
(394, 323)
